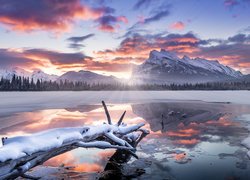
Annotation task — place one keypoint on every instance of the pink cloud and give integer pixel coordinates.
(177, 25)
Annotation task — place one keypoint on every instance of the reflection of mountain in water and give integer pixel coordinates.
(173, 113)
(83, 108)
(188, 123)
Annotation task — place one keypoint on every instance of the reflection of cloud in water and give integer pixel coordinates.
(82, 163)
(30, 122)
(172, 124)
(187, 141)
(186, 123)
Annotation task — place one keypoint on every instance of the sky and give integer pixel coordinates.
(111, 37)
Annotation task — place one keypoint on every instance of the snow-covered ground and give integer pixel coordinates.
(11, 102)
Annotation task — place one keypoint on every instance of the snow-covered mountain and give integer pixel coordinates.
(83, 76)
(162, 67)
(166, 67)
(37, 74)
(9, 72)
(86, 76)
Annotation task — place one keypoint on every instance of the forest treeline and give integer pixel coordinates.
(18, 83)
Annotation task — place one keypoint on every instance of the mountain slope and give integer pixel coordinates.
(37, 74)
(9, 73)
(86, 76)
(166, 67)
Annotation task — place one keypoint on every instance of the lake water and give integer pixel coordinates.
(189, 138)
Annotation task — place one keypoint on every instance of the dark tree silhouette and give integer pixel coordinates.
(17, 83)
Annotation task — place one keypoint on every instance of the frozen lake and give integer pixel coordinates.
(27, 101)
(194, 134)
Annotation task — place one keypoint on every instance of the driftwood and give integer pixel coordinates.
(114, 167)
(118, 136)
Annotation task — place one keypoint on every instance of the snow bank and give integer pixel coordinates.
(20, 146)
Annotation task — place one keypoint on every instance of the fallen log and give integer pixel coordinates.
(20, 154)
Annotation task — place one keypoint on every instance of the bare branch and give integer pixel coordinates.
(143, 134)
(115, 139)
(102, 145)
(121, 118)
(106, 112)
(25, 176)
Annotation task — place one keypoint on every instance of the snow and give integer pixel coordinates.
(86, 76)
(114, 138)
(20, 146)
(212, 65)
(8, 73)
(36, 74)
(165, 58)
(157, 57)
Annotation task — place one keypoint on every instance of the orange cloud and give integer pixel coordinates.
(137, 47)
(88, 167)
(187, 141)
(68, 159)
(177, 25)
(122, 19)
(45, 14)
(223, 121)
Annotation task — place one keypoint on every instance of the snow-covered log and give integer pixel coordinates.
(20, 154)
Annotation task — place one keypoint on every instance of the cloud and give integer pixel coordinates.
(230, 3)
(234, 55)
(30, 59)
(246, 30)
(108, 66)
(110, 23)
(239, 38)
(11, 58)
(177, 25)
(56, 58)
(76, 41)
(142, 3)
(49, 15)
(135, 48)
(76, 46)
(138, 46)
(233, 3)
(158, 13)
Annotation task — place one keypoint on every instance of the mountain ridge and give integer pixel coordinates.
(166, 67)
(74, 76)
(161, 67)
(35, 75)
